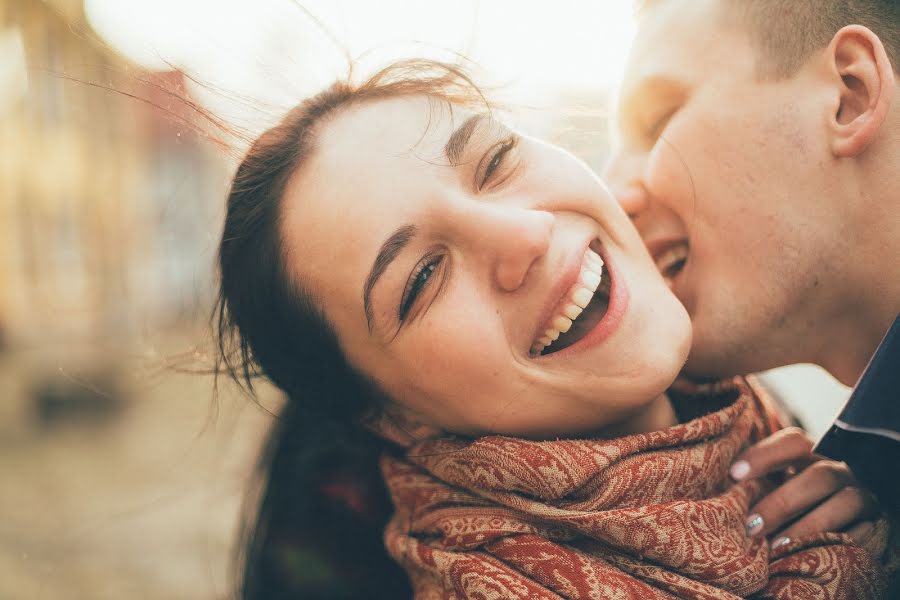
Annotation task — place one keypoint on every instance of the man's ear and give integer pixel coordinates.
(857, 56)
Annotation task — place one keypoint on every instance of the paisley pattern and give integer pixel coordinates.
(648, 516)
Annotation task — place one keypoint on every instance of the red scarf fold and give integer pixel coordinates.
(648, 516)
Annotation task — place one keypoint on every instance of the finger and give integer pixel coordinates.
(784, 448)
(845, 507)
(797, 496)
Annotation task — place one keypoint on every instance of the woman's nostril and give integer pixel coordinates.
(517, 261)
(510, 276)
(515, 239)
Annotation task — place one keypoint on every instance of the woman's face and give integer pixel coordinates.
(446, 251)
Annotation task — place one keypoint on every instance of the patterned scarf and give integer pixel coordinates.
(648, 516)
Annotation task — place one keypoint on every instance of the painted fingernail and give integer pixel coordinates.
(782, 541)
(739, 470)
(754, 524)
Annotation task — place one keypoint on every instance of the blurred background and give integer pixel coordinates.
(123, 471)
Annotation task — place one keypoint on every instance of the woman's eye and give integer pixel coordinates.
(495, 157)
(417, 282)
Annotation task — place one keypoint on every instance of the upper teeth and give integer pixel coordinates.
(573, 303)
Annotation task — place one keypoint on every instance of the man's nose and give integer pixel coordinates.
(632, 197)
(512, 239)
(622, 175)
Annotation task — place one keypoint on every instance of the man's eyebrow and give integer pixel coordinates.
(390, 249)
(457, 141)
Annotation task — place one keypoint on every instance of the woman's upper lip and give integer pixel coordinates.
(570, 268)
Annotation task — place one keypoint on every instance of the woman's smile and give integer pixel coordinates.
(590, 312)
(557, 332)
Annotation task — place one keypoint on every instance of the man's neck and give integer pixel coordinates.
(847, 358)
(872, 300)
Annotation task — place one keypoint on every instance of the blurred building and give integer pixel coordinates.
(108, 201)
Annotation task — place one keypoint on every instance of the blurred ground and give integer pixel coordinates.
(140, 502)
(141, 499)
(117, 483)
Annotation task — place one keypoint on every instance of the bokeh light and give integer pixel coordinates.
(275, 51)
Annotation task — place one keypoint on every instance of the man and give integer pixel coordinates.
(758, 152)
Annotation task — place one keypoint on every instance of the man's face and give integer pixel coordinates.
(731, 183)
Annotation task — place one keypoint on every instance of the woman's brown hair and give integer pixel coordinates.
(316, 529)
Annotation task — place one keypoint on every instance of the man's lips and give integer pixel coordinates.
(670, 256)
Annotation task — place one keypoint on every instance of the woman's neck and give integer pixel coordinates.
(658, 414)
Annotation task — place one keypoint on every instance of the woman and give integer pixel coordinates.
(419, 279)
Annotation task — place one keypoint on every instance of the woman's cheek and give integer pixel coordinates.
(457, 357)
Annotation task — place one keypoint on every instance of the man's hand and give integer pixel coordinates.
(818, 495)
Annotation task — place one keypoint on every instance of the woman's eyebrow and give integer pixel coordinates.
(457, 141)
(390, 249)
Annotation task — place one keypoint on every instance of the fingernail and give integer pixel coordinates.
(739, 470)
(754, 524)
(782, 541)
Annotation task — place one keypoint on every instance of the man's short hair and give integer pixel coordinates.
(787, 32)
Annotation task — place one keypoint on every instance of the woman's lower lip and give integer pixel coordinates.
(618, 304)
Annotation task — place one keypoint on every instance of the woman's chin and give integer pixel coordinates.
(670, 336)
(663, 362)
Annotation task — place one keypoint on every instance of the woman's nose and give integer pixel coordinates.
(512, 239)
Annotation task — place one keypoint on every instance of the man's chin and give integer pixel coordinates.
(728, 340)
(723, 360)
(699, 369)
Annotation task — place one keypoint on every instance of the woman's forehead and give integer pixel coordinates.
(372, 156)
(372, 167)
(390, 127)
